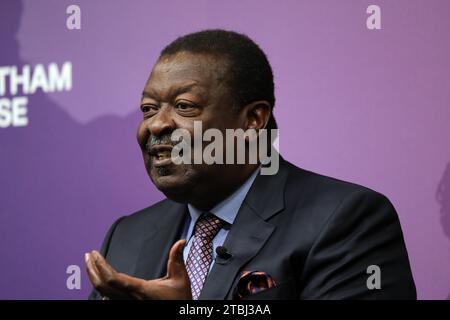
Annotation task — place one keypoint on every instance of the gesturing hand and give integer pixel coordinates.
(115, 285)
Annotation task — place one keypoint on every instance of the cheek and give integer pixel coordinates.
(221, 119)
(185, 123)
(142, 134)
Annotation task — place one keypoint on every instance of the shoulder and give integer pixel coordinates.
(315, 198)
(144, 217)
(314, 185)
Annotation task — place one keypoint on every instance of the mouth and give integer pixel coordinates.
(161, 155)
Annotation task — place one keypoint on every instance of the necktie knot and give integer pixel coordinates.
(207, 226)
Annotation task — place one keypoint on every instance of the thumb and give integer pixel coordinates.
(175, 265)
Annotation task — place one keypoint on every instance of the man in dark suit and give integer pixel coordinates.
(227, 231)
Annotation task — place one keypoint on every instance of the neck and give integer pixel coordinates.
(213, 196)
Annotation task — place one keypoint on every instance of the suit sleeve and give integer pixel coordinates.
(95, 295)
(364, 230)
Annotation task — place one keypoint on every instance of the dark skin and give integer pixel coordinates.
(181, 89)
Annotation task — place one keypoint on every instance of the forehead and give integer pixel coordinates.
(185, 67)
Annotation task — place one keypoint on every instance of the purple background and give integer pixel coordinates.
(372, 107)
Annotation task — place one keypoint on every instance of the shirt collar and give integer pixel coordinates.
(227, 210)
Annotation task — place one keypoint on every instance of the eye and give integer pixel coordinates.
(184, 106)
(148, 107)
(187, 109)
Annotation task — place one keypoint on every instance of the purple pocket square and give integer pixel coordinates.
(252, 282)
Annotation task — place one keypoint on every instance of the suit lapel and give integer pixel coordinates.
(151, 263)
(249, 232)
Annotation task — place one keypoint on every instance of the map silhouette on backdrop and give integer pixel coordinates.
(62, 184)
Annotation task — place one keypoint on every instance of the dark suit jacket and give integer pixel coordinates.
(314, 235)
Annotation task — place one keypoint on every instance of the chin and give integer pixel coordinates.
(174, 184)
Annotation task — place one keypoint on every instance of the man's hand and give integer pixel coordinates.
(114, 285)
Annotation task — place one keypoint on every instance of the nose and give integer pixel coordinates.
(161, 121)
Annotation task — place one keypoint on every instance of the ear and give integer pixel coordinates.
(257, 114)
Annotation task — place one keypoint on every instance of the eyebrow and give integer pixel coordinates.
(173, 92)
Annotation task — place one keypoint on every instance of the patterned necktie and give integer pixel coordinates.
(201, 251)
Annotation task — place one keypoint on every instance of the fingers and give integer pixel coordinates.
(175, 265)
(104, 278)
(117, 285)
(105, 271)
(177, 274)
(92, 270)
(94, 274)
